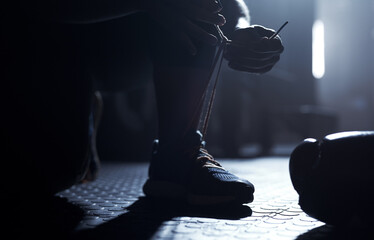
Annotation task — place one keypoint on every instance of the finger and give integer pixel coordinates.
(263, 31)
(233, 53)
(255, 64)
(246, 52)
(274, 44)
(261, 47)
(239, 67)
(244, 69)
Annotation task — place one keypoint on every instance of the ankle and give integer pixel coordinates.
(190, 139)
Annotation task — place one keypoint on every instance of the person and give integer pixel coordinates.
(48, 91)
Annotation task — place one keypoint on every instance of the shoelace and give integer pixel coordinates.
(205, 159)
(208, 100)
(202, 157)
(204, 117)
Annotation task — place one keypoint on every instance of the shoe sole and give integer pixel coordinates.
(168, 190)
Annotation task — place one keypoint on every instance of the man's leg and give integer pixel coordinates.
(180, 166)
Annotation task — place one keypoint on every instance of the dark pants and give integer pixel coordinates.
(48, 79)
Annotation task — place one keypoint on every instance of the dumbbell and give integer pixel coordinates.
(334, 177)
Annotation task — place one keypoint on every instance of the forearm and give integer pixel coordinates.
(243, 17)
(81, 11)
(237, 15)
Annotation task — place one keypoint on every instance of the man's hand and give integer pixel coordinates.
(252, 50)
(179, 17)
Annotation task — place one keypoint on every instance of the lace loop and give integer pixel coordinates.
(204, 157)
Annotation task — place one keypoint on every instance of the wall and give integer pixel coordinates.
(251, 109)
(348, 84)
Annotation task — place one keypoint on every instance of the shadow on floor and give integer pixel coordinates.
(146, 216)
(57, 219)
(42, 218)
(327, 232)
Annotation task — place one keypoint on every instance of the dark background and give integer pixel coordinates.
(258, 115)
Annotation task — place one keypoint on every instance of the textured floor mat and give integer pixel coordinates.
(114, 207)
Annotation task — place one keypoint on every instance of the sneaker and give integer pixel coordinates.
(186, 171)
